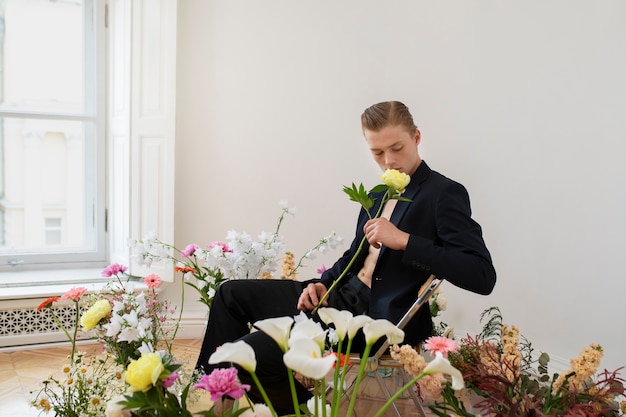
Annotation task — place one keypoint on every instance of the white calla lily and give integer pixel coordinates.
(339, 318)
(277, 328)
(356, 323)
(305, 356)
(238, 352)
(308, 329)
(442, 365)
(311, 404)
(376, 329)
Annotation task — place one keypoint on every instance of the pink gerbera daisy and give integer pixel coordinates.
(74, 294)
(152, 281)
(441, 344)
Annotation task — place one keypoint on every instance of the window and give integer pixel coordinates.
(83, 123)
(53, 231)
(52, 133)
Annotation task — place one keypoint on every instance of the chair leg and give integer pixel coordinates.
(388, 394)
(416, 399)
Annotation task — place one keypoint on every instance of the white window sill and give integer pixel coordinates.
(44, 284)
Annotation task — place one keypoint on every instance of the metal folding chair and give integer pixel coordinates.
(382, 359)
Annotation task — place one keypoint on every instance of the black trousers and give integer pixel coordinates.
(239, 303)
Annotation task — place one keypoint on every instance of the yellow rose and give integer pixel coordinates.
(97, 312)
(144, 372)
(396, 179)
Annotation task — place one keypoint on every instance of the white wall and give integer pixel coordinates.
(522, 102)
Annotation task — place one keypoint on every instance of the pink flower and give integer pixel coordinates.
(74, 294)
(152, 281)
(222, 382)
(322, 269)
(189, 250)
(222, 245)
(441, 344)
(169, 381)
(113, 269)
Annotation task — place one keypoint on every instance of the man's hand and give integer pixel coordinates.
(381, 231)
(310, 296)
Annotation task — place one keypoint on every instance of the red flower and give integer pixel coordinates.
(342, 359)
(183, 269)
(48, 303)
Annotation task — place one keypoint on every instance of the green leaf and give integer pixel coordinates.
(359, 195)
(379, 188)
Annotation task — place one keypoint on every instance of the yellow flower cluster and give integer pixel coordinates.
(490, 358)
(289, 266)
(512, 356)
(414, 364)
(584, 367)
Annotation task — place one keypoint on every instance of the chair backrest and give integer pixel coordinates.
(423, 295)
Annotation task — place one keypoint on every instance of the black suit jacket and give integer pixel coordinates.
(444, 240)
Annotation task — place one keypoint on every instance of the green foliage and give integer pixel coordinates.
(360, 195)
(521, 385)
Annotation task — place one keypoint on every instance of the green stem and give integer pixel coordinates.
(322, 397)
(182, 306)
(338, 389)
(359, 377)
(398, 394)
(292, 385)
(343, 273)
(62, 327)
(75, 331)
(358, 251)
(263, 393)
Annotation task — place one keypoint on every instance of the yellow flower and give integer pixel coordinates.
(144, 372)
(96, 312)
(289, 266)
(396, 179)
(266, 275)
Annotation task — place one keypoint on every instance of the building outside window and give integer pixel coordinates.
(52, 134)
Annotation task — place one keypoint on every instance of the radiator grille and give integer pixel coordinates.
(24, 321)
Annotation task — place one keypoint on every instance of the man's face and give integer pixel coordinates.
(394, 148)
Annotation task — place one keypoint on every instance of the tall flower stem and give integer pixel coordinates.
(75, 331)
(292, 385)
(263, 393)
(386, 198)
(360, 375)
(62, 327)
(343, 273)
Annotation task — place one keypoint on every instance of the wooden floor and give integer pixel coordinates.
(22, 371)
